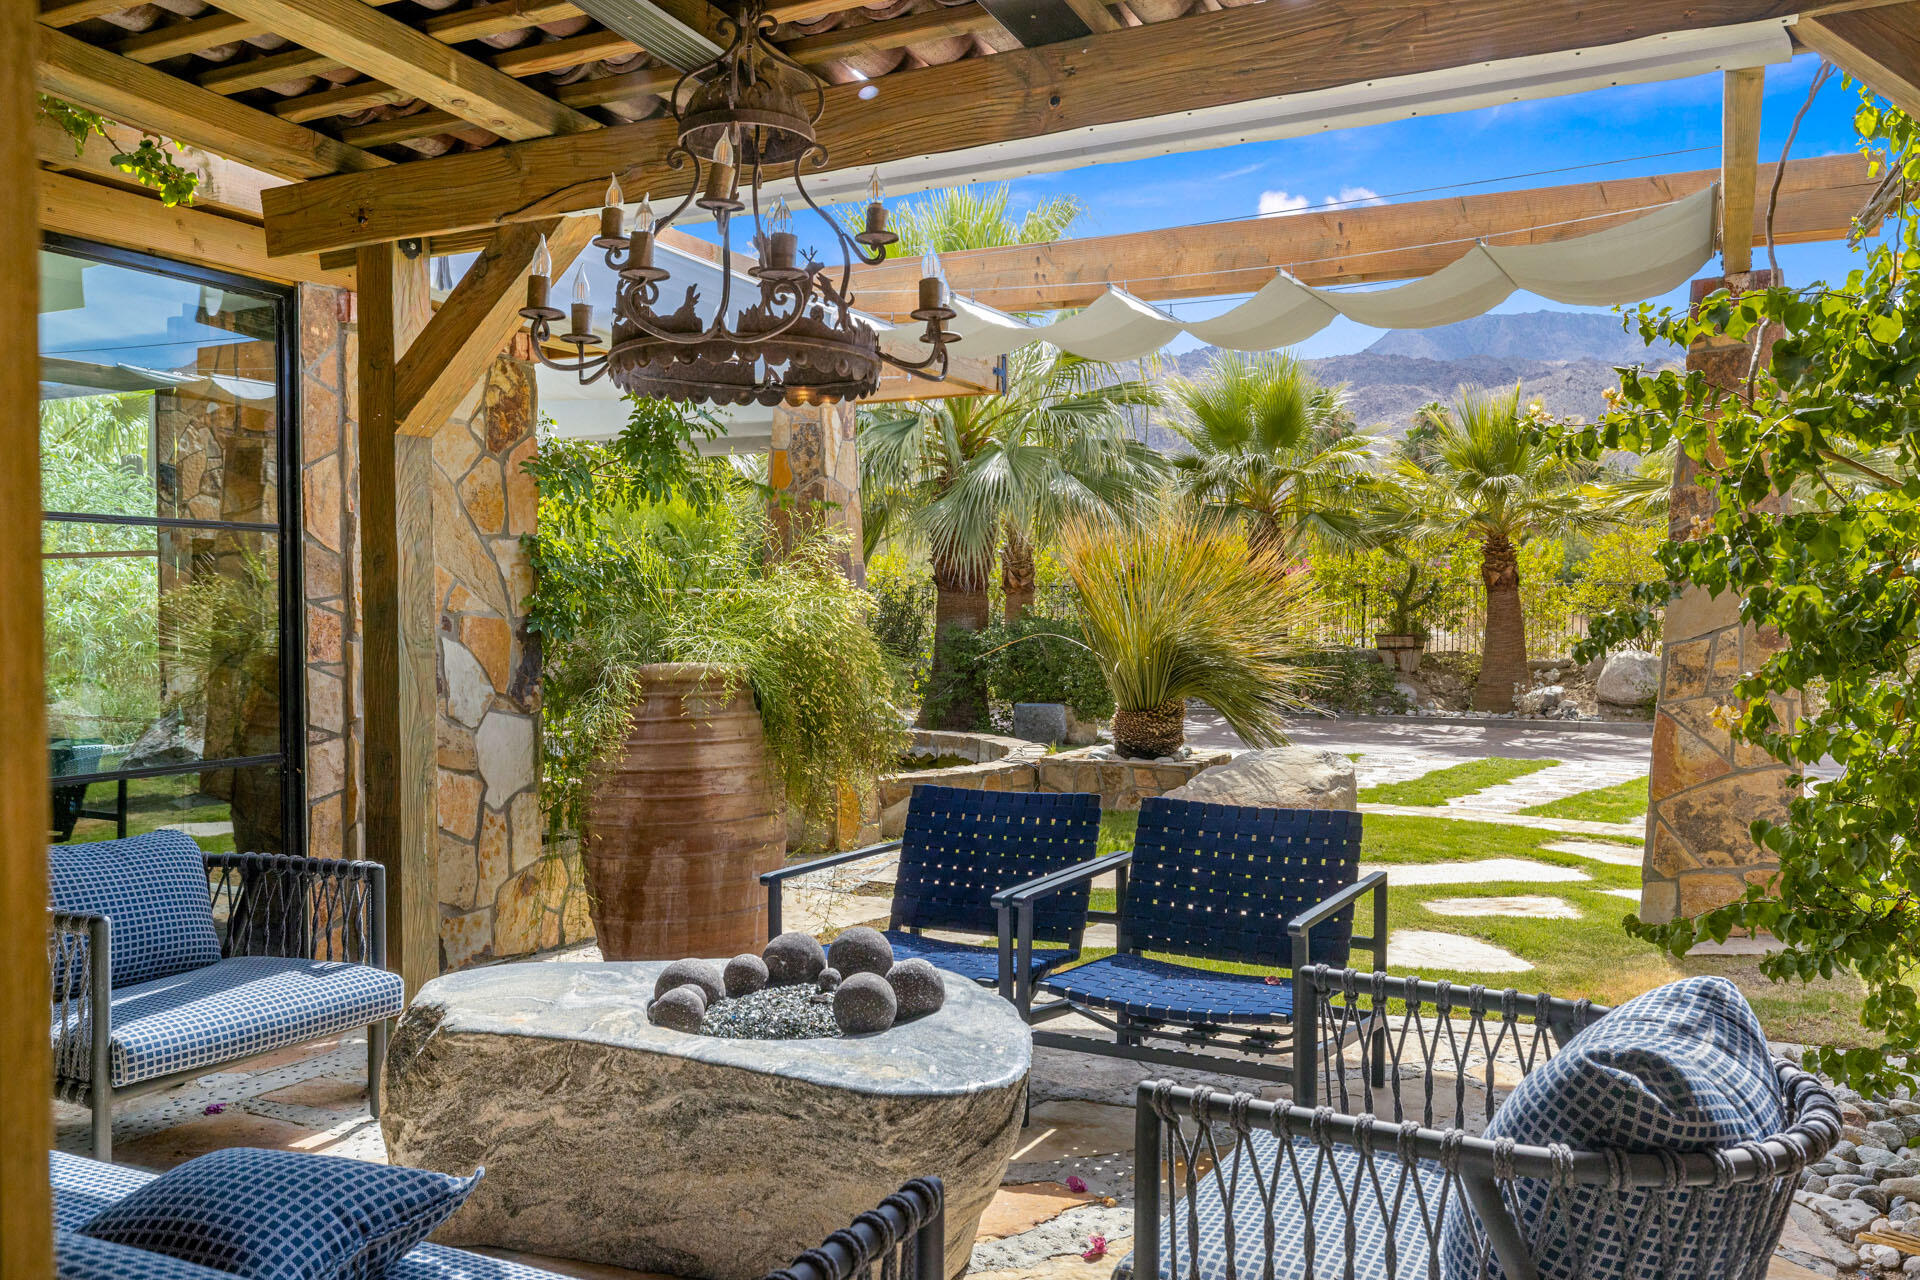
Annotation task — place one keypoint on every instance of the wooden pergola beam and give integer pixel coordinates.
(476, 319)
(389, 50)
(225, 187)
(1204, 60)
(1819, 197)
(1880, 46)
(1742, 92)
(122, 89)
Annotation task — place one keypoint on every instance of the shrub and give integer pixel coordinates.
(1351, 681)
(1041, 659)
(902, 618)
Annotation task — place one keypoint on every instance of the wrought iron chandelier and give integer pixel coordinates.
(749, 112)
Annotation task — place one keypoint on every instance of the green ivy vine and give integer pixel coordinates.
(150, 163)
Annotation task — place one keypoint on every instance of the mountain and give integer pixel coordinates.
(1564, 359)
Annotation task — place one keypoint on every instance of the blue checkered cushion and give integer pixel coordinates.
(1173, 992)
(240, 1007)
(284, 1215)
(153, 888)
(978, 963)
(1380, 1252)
(83, 1187)
(78, 1257)
(1682, 1068)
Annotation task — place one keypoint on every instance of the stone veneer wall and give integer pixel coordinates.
(501, 892)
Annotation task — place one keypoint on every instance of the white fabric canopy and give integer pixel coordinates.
(1640, 259)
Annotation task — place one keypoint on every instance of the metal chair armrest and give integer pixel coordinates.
(1013, 912)
(1066, 877)
(779, 875)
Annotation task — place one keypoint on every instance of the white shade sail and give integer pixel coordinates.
(1635, 260)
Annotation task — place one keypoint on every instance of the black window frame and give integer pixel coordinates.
(291, 758)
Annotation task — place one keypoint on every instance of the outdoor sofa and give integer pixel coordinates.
(168, 962)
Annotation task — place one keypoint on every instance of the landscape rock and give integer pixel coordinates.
(864, 1004)
(793, 957)
(680, 1009)
(1887, 1133)
(1631, 678)
(1277, 778)
(918, 988)
(1538, 702)
(744, 975)
(860, 950)
(549, 1075)
(704, 974)
(828, 982)
(1040, 721)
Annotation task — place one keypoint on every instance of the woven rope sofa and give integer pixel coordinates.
(1514, 1137)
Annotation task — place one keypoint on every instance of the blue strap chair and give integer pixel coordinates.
(1273, 888)
(959, 848)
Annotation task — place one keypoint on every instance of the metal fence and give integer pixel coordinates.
(1557, 617)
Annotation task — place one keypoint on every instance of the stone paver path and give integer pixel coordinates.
(1479, 871)
(1619, 855)
(1556, 783)
(1501, 818)
(1425, 949)
(1528, 906)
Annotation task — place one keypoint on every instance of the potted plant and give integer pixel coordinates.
(1174, 608)
(1401, 643)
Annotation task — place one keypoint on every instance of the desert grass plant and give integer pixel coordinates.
(1175, 608)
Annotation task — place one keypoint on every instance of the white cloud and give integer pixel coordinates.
(1355, 195)
(1272, 202)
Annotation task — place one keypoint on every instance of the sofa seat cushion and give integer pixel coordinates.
(153, 888)
(1382, 1250)
(236, 1008)
(284, 1215)
(80, 1257)
(1682, 1068)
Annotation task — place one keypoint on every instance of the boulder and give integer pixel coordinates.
(1040, 722)
(1277, 778)
(610, 1141)
(1538, 702)
(1631, 678)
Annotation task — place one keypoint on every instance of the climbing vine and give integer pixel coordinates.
(150, 163)
(1830, 423)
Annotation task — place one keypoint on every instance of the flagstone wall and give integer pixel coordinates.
(502, 891)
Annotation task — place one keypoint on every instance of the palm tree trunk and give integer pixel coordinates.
(1503, 652)
(955, 697)
(1017, 575)
(1152, 733)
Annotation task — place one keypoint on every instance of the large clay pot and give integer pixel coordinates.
(681, 824)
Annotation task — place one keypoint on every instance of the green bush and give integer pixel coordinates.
(1042, 659)
(902, 618)
(1351, 681)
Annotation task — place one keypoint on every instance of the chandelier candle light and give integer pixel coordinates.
(751, 112)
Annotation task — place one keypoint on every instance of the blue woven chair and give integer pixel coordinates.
(1274, 888)
(961, 847)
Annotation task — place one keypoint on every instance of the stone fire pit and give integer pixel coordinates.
(610, 1140)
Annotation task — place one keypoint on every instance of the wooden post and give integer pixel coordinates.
(26, 1088)
(396, 539)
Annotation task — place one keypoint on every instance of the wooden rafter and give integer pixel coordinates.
(225, 188)
(122, 89)
(1880, 46)
(1348, 246)
(1742, 94)
(192, 36)
(1204, 60)
(877, 37)
(387, 49)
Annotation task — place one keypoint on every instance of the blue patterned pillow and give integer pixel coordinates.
(284, 1215)
(153, 888)
(1682, 1068)
(78, 1257)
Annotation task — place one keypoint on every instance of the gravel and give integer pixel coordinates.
(776, 1013)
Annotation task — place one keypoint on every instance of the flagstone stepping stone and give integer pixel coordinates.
(1538, 907)
(1422, 949)
(1619, 855)
(1024, 1206)
(1481, 871)
(1631, 895)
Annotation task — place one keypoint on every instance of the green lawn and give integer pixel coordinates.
(1591, 956)
(1442, 785)
(1621, 803)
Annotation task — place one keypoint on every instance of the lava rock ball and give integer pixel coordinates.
(918, 988)
(680, 1009)
(829, 980)
(863, 1004)
(793, 957)
(745, 974)
(704, 974)
(861, 950)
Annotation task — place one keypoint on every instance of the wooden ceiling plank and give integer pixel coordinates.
(391, 51)
(1095, 14)
(1200, 61)
(1880, 46)
(496, 19)
(360, 96)
(451, 354)
(384, 133)
(122, 89)
(559, 55)
(225, 187)
(259, 73)
(646, 82)
(662, 33)
(191, 36)
(1363, 245)
(894, 33)
(1742, 94)
(112, 215)
(64, 13)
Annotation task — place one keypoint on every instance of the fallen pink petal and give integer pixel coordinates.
(1096, 1249)
(213, 1108)
(1075, 1185)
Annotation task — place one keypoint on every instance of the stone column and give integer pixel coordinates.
(814, 470)
(1705, 788)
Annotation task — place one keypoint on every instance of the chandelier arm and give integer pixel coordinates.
(677, 158)
(916, 367)
(776, 54)
(846, 243)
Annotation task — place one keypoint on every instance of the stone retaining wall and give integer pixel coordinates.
(998, 764)
(1123, 784)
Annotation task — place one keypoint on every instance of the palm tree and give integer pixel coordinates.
(961, 475)
(1273, 450)
(1479, 467)
(971, 218)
